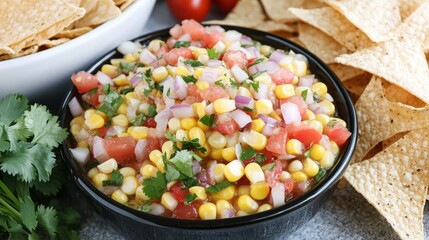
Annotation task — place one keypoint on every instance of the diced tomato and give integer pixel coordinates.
(120, 148)
(213, 93)
(277, 142)
(307, 136)
(92, 97)
(338, 133)
(150, 122)
(212, 37)
(84, 81)
(176, 31)
(272, 176)
(179, 192)
(173, 55)
(235, 57)
(184, 211)
(101, 132)
(194, 29)
(193, 92)
(282, 76)
(289, 186)
(225, 125)
(299, 101)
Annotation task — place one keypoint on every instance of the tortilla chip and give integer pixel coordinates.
(397, 94)
(335, 25)
(374, 18)
(73, 33)
(324, 46)
(101, 13)
(400, 62)
(119, 2)
(6, 50)
(296, 40)
(386, 143)
(358, 84)
(126, 4)
(345, 72)
(271, 26)
(406, 7)
(380, 118)
(247, 13)
(21, 53)
(52, 43)
(278, 10)
(287, 35)
(395, 183)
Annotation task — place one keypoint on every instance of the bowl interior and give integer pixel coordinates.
(345, 110)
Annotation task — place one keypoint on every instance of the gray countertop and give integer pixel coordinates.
(346, 215)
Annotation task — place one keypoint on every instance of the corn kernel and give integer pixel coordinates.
(199, 191)
(223, 208)
(323, 118)
(121, 80)
(199, 109)
(284, 91)
(223, 105)
(254, 173)
(119, 196)
(225, 194)
(295, 166)
(275, 115)
(182, 135)
(188, 123)
(174, 124)
(294, 147)
(216, 154)
(265, 50)
(155, 155)
(285, 176)
(159, 74)
(197, 73)
(241, 213)
(127, 171)
(139, 133)
(299, 176)
(256, 140)
(108, 166)
(327, 107)
(123, 135)
(82, 143)
(197, 133)
(263, 106)
(242, 91)
(316, 125)
(155, 45)
(140, 195)
(202, 85)
(263, 78)
(234, 170)
(228, 154)
(110, 70)
(218, 172)
(295, 80)
(300, 68)
(259, 190)
(98, 179)
(77, 120)
(243, 189)
(91, 173)
(148, 171)
(168, 201)
(310, 167)
(182, 71)
(247, 204)
(309, 115)
(334, 147)
(167, 148)
(129, 185)
(130, 57)
(319, 88)
(327, 160)
(207, 211)
(264, 207)
(75, 129)
(217, 140)
(122, 109)
(120, 120)
(340, 121)
(257, 125)
(94, 121)
(317, 152)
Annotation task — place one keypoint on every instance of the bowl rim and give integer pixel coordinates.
(328, 182)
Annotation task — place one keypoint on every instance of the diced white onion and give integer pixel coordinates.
(127, 47)
(80, 154)
(278, 195)
(239, 74)
(103, 78)
(180, 88)
(140, 149)
(75, 107)
(290, 113)
(182, 111)
(99, 151)
(241, 118)
(147, 57)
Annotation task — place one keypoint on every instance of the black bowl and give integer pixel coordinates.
(266, 225)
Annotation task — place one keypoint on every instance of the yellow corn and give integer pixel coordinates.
(182, 71)
(197, 73)
(263, 106)
(140, 195)
(122, 109)
(139, 133)
(207, 211)
(218, 172)
(294, 147)
(284, 176)
(217, 140)
(316, 125)
(340, 121)
(228, 154)
(254, 173)
(223, 105)
(327, 160)
(167, 148)
(129, 185)
(242, 91)
(319, 88)
(148, 171)
(155, 45)
(119, 196)
(299, 176)
(197, 133)
(275, 115)
(202, 85)
(121, 80)
(168, 201)
(259, 190)
(123, 135)
(241, 213)
(120, 120)
(188, 123)
(222, 208)
(108, 166)
(256, 140)
(265, 50)
(310, 167)
(247, 204)
(264, 207)
(295, 166)
(323, 118)
(257, 125)
(243, 189)
(159, 74)
(234, 170)
(127, 171)
(327, 107)
(334, 148)
(110, 70)
(226, 194)
(77, 120)
(317, 152)
(155, 156)
(284, 91)
(216, 154)
(300, 68)
(263, 78)
(82, 143)
(174, 124)
(94, 121)
(130, 57)
(295, 80)
(309, 115)
(199, 191)
(182, 134)
(199, 109)
(75, 129)
(91, 173)
(98, 179)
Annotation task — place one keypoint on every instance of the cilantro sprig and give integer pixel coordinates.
(111, 103)
(186, 144)
(213, 54)
(208, 120)
(218, 187)
(247, 154)
(193, 63)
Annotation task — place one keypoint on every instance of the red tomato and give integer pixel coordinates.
(339, 134)
(184, 211)
(307, 136)
(173, 55)
(101, 132)
(150, 123)
(235, 57)
(92, 98)
(195, 29)
(193, 92)
(84, 81)
(189, 9)
(213, 93)
(225, 125)
(272, 176)
(120, 148)
(212, 37)
(299, 101)
(282, 76)
(289, 185)
(179, 192)
(277, 142)
(226, 5)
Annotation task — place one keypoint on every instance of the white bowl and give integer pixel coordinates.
(48, 72)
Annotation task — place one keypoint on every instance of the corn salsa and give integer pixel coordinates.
(208, 124)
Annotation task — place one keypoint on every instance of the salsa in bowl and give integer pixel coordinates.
(210, 123)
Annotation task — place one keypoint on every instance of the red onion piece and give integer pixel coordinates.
(162, 117)
(239, 74)
(270, 130)
(241, 118)
(245, 40)
(147, 57)
(315, 108)
(114, 131)
(136, 79)
(290, 113)
(214, 63)
(127, 47)
(209, 75)
(140, 149)
(306, 81)
(103, 78)
(181, 88)
(75, 107)
(80, 154)
(255, 52)
(269, 120)
(278, 195)
(262, 92)
(277, 56)
(196, 167)
(267, 66)
(98, 150)
(182, 111)
(242, 101)
(210, 172)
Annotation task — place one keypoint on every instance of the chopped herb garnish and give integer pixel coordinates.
(145, 207)
(316, 97)
(189, 79)
(255, 85)
(139, 120)
(127, 90)
(260, 158)
(208, 120)
(218, 187)
(233, 83)
(147, 92)
(179, 44)
(220, 84)
(186, 144)
(320, 174)
(168, 92)
(154, 187)
(269, 166)
(152, 111)
(307, 153)
(190, 182)
(247, 109)
(257, 74)
(257, 61)
(148, 73)
(111, 103)
(182, 160)
(127, 67)
(91, 164)
(247, 154)
(93, 91)
(115, 179)
(331, 123)
(304, 94)
(256, 43)
(106, 88)
(193, 63)
(190, 198)
(213, 54)
(246, 45)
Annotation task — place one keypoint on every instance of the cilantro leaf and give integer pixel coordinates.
(127, 90)
(319, 176)
(189, 79)
(179, 44)
(152, 111)
(190, 182)
(139, 120)
(247, 154)
(4, 140)
(316, 97)
(233, 83)
(193, 63)
(304, 94)
(208, 120)
(48, 219)
(269, 166)
(332, 123)
(190, 198)
(254, 76)
(111, 103)
(255, 85)
(28, 212)
(218, 187)
(11, 107)
(187, 144)
(213, 54)
(220, 84)
(247, 109)
(127, 67)
(260, 158)
(183, 162)
(19, 131)
(154, 187)
(307, 153)
(171, 173)
(257, 61)
(145, 207)
(116, 179)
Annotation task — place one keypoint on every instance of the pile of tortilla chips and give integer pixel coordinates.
(379, 49)
(29, 26)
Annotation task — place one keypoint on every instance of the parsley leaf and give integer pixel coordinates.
(193, 63)
(190, 198)
(247, 154)
(183, 162)
(152, 111)
(47, 217)
(189, 79)
(111, 103)
(220, 84)
(190, 182)
(269, 166)
(218, 187)
(187, 144)
(208, 120)
(304, 94)
(247, 109)
(179, 44)
(260, 158)
(154, 187)
(116, 179)
(213, 54)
